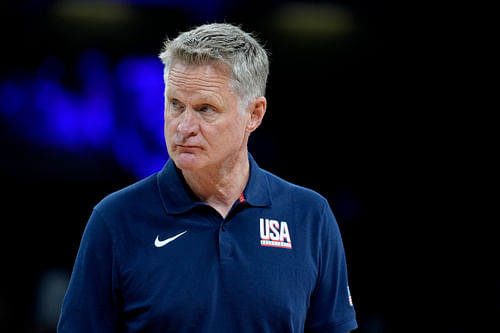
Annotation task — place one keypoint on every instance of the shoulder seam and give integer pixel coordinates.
(114, 251)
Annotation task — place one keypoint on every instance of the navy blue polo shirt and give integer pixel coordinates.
(153, 258)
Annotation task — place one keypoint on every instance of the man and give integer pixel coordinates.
(211, 243)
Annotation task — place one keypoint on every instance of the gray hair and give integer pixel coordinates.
(228, 44)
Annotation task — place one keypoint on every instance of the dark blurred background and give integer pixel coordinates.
(81, 115)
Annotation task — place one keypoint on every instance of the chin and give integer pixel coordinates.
(185, 161)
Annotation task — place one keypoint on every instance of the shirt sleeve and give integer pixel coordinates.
(331, 309)
(90, 303)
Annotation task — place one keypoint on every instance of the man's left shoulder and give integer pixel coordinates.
(284, 190)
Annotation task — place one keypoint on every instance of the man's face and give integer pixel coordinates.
(203, 126)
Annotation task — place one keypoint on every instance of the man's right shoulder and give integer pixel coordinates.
(137, 194)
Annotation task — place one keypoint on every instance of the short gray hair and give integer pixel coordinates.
(226, 43)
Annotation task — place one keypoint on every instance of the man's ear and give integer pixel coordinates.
(256, 111)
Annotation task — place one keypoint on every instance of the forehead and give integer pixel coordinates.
(210, 77)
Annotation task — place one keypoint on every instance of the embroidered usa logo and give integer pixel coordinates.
(275, 234)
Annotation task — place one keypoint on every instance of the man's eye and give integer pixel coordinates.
(207, 108)
(176, 105)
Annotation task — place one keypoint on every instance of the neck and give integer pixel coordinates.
(220, 187)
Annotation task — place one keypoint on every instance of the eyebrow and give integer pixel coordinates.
(201, 99)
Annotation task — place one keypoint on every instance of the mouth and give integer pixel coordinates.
(187, 148)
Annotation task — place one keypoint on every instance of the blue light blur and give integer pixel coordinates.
(116, 109)
(202, 10)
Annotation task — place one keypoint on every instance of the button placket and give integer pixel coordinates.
(225, 236)
(225, 248)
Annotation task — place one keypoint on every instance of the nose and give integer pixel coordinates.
(188, 124)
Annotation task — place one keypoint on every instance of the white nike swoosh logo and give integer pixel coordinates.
(159, 243)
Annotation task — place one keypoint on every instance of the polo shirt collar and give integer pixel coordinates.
(178, 198)
(257, 192)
